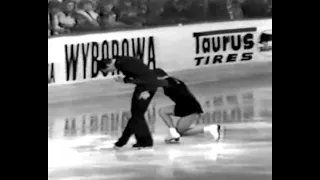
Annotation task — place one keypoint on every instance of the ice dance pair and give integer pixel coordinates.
(147, 81)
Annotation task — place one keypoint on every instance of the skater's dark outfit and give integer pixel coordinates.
(179, 93)
(186, 106)
(185, 102)
(133, 68)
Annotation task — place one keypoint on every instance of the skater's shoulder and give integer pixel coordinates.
(126, 58)
(175, 80)
(121, 58)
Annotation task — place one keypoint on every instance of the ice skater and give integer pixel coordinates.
(134, 68)
(186, 107)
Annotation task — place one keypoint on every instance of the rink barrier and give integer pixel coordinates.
(174, 48)
(96, 90)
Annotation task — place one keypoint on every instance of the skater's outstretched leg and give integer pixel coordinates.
(214, 130)
(185, 127)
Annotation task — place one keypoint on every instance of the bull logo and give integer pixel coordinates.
(265, 43)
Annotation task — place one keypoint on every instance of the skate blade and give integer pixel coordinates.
(172, 141)
(221, 131)
(142, 148)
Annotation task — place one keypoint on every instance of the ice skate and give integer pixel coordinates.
(138, 146)
(173, 137)
(215, 131)
(117, 148)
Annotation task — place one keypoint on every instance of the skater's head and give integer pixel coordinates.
(161, 74)
(107, 65)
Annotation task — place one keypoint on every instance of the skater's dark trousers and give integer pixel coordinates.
(137, 124)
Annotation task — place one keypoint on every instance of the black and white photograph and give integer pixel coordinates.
(159, 89)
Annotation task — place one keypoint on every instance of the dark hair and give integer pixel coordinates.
(103, 63)
(83, 2)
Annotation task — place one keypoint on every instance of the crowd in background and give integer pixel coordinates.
(81, 16)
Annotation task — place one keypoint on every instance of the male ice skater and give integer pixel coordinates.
(134, 68)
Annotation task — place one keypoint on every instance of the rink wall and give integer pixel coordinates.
(97, 89)
(230, 49)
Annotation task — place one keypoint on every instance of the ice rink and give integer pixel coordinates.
(80, 134)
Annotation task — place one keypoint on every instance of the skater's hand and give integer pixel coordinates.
(119, 79)
(144, 95)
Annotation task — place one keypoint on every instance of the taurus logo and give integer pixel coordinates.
(265, 43)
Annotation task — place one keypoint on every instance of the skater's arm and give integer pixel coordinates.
(138, 73)
(131, 80)
(159, 83)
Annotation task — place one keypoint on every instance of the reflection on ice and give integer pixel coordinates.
(238, 107)
(60, 155)
(80, 147)
(65, 152)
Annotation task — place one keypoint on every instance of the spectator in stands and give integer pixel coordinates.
(129, 14)
(86, 17)
(54, 11)
(218, 10)
(67, 18)
(115, 14)
(269, 9)
(77, 1)
(256, 8)
(151, 10)
(235, 9)
(144, 16)
(197, 10)
(177, 11)
(109, 22)
(143, 12)
(107, 7)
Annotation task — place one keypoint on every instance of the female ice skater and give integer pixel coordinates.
(186, 106)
